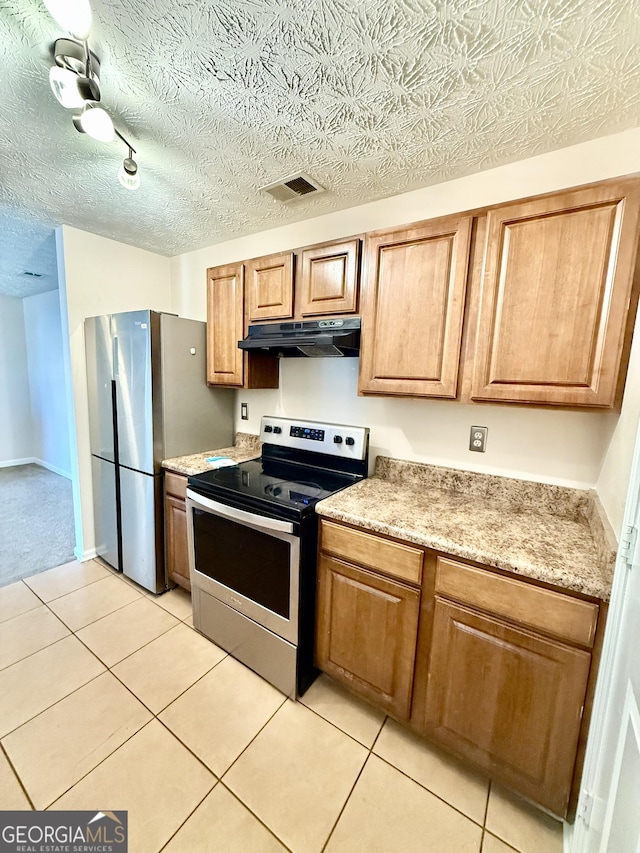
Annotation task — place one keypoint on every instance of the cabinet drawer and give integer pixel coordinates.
(550, 612)
(175, 484)
(391, 558)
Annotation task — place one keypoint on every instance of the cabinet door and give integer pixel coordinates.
(175, 527)
(270, 287)
(413, 306)
(225, 325)
(328, 282)
(366, 633)
(508, 700)
(557, 284)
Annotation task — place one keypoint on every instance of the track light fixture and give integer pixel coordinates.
(75, 81)
(128, 172)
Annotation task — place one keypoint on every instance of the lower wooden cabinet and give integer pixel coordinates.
(508, 700)
(366, 633)
(175, 530)
(497, 670)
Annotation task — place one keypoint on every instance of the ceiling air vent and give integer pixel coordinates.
(292, 188)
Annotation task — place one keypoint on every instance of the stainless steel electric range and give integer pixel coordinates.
(253, 534)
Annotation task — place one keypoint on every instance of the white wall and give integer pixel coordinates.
(43, 334)
(551, 446)
(16, 438)
(99, 276)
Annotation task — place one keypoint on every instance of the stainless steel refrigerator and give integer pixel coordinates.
(148, 401)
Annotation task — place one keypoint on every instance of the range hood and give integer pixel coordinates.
(334, 337)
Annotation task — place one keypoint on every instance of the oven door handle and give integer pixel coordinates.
(240, 514)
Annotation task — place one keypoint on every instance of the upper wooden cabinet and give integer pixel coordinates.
(556, 294)
(270, 287)
(412, 308)
(227, 365)
(328, 279)
(225, 325)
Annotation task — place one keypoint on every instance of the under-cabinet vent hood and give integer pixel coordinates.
(339, 336)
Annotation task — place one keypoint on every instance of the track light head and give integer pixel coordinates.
(128, 173)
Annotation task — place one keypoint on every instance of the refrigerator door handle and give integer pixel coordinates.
(116, 366)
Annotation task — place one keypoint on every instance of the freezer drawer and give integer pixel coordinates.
(141, 511)
(105, 510)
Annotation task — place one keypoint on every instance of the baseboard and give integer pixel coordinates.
(10, 463)
(53, 468)
(31, 460)
(82, 556)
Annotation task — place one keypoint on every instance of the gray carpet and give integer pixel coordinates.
(36, 521)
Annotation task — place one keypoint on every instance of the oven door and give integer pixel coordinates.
(248, 561)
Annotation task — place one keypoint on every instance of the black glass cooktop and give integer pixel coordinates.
(265, 484)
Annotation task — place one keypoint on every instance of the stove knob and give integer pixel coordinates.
(337, 439)
(268, 428)
(350, 441)
(277, 430)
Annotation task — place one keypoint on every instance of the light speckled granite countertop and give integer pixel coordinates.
(554, 534)
(246, 447)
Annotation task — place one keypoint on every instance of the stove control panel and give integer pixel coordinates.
(334, 439)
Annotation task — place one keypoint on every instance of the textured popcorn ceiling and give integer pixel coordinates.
(370, 97)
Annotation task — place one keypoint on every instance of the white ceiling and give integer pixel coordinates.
(369, 97)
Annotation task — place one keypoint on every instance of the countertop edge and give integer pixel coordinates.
(584, 586)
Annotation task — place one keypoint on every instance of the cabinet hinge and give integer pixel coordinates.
(586, 808)
(628, 543)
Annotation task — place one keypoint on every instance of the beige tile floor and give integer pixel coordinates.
(110, 700)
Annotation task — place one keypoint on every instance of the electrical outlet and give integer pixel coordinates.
(478, 439)
(244, 411)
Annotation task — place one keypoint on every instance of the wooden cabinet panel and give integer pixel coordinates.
(374, 552)
(226, 362)
(413, 306)
(557, 285)
(366, 633)
(270, 287)
(508, 700)
(176, 485)
(177, 553)
(328, 281)
(551, 612)
(225, 325)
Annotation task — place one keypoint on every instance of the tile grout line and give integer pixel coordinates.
(260, 821)
(364, 764)
(191, 813)
(57, 597)
(57, 702)
(429, 791)
(3, 751)
(336, 726)
(348, 797)
(88, 773)
(126, 657)
(237, 758)
(93, 621)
